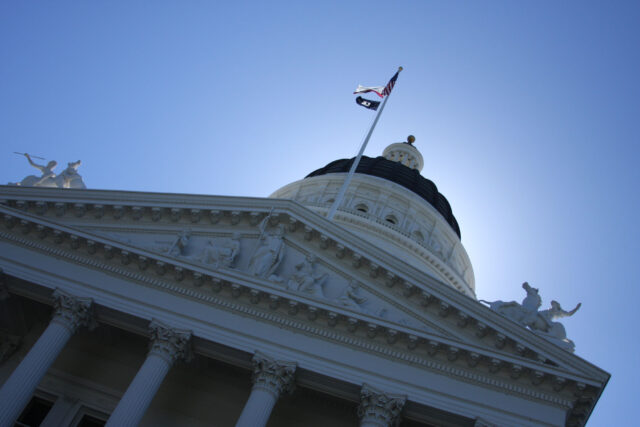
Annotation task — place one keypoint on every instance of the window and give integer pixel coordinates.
(361, 207)
(35, 412)
(89, 421)
(87, 417)
(391, 219)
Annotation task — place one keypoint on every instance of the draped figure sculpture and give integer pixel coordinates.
(269, 252)
(222, 255)
(304, 278)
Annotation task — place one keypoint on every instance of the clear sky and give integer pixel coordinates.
(527, 115)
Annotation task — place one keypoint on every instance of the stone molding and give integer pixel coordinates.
(169, 343)
(412, 291)
(380, 408)
(474, 377)
(72, 312)
(273, 376)
(90, 243)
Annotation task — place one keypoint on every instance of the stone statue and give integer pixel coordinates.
(223, 255)
(351, 296)
(305, 280)
(546, 323)
(542, 322)
(180, 244)
(69, 178)
(269, 252)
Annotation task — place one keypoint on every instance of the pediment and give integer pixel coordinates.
(288, 265)
(351, 283)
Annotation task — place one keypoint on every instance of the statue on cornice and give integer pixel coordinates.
(269, 252)
(305, 280)
(69, 178)
(541, 322)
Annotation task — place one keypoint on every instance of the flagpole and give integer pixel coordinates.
(356, 161)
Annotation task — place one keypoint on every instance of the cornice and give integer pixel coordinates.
(260, 300)
(417, 288)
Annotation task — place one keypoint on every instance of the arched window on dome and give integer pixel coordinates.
(391, 219)
(361, 207)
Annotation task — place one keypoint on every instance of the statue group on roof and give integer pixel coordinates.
(68, 178)
(542, 322)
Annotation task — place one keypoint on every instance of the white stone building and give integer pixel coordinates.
(185, 310)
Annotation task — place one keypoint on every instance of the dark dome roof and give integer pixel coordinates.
(400, 174)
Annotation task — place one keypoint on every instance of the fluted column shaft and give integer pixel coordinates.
(69, 314)
(379, 409)
(271, 378)
(167, 346)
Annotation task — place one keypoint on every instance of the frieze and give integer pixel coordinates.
(314, 330)
(275, 218)
(384, 275)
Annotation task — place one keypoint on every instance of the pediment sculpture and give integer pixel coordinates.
(68, 178)
(542, 322)
(268, 253)
(304, 279)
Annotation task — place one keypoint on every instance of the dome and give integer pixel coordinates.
(398, 173)
(391, 205)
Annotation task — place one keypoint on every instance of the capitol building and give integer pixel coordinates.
(124, 308)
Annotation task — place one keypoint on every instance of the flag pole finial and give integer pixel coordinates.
(400, 69)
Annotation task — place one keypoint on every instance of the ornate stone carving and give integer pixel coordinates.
(223, 255)
(68, 178)
(541, 322)
(305, 280)
(378, 408)
(273, 376)
(72, 312)
(170, 344)
(269, 252)
(351, 297)
(180, 244)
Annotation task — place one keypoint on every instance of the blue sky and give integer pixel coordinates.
(527, 115)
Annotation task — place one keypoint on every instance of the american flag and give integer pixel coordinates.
(390, 85)
(379, 90)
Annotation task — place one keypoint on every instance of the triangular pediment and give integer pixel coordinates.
(347, 280)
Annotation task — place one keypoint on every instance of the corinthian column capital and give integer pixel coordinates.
(168, 343)
(378, 408)
(71, 311)
(273, 376)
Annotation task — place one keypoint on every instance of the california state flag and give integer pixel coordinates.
(363, 89)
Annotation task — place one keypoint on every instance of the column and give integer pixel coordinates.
(379, 409)
(271, 378)
(69, 313)
(167, 346)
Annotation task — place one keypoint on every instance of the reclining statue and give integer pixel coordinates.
(541, 322)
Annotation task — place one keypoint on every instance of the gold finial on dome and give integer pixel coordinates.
(411, 139)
